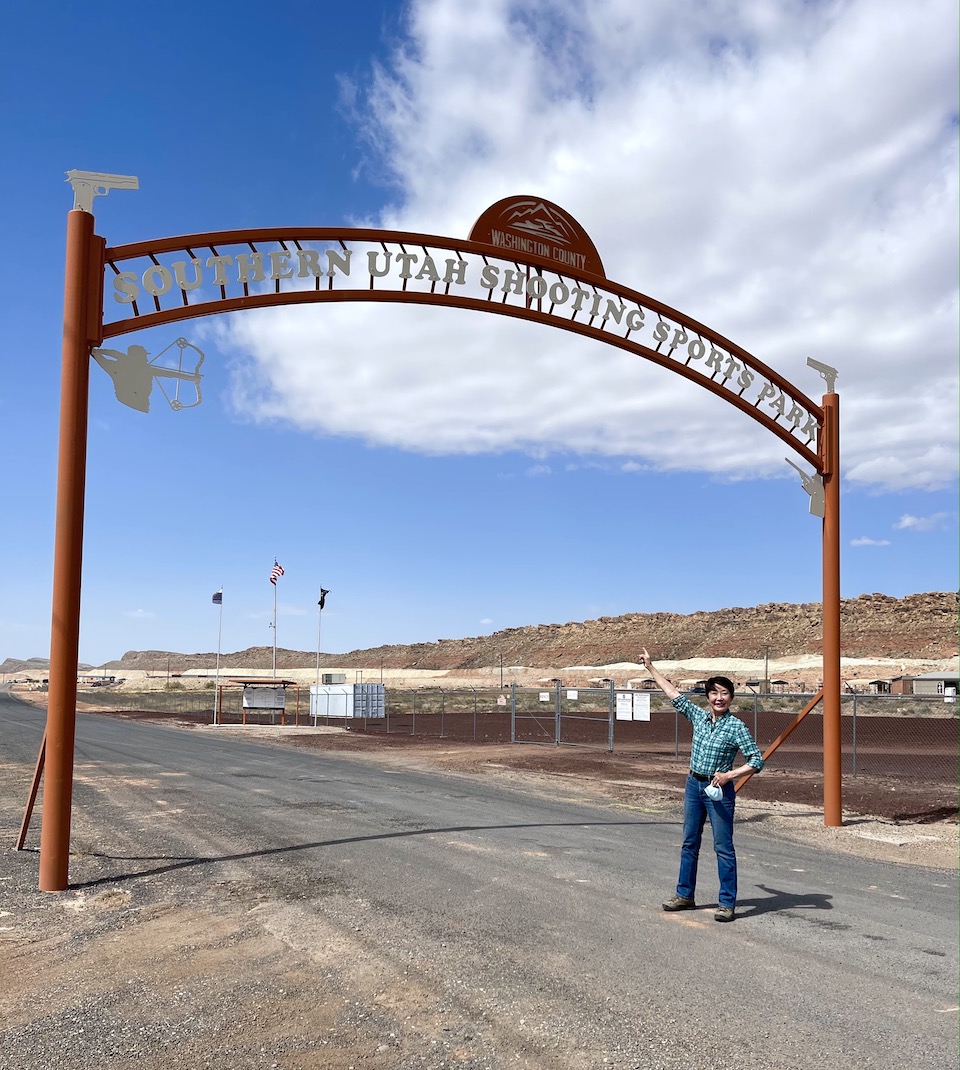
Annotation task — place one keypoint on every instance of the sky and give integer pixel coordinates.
(785, 172)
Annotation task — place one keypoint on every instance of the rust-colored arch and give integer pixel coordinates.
(548, 244)
(169, 308)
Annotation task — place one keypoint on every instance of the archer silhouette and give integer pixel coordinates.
(133, 375)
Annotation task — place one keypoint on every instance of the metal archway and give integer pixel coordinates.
(525, 258)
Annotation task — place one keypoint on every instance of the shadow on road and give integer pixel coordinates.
(188, 862)
(781, 902)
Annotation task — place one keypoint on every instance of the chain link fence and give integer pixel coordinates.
(198, 707)
(881, 735)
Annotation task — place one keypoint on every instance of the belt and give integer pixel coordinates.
(699, 776)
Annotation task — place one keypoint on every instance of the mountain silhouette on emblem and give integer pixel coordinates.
(534, 217)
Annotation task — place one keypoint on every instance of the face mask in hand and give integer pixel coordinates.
(713, 792)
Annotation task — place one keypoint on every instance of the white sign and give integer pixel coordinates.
(260, 697)
(544, 696)
(632, 706)
(573, 695)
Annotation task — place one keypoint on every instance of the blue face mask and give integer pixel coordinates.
(713, 792)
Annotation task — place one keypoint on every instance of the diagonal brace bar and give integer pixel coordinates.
(785, 734)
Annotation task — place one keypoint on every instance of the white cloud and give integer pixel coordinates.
(140, 614)
(783, 172)
(865, 540)
(936, 522)
(537, 471)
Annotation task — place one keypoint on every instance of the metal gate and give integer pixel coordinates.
(558, 715)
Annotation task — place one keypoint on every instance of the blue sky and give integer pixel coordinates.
(784, 172)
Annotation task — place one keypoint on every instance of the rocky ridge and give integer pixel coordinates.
(917, 626)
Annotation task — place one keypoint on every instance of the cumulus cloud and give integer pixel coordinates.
(936, 522)
(865, 540)
(783, 172)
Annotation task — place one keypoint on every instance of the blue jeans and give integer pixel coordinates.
(696, 808)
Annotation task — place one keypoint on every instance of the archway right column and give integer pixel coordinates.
(832, 754)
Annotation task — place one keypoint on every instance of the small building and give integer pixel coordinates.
(634, 683)
(928, 683)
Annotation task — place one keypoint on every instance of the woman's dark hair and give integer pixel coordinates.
(722, 681)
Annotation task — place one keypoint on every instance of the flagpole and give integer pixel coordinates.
(275, 575)
(216, 686)
(319, 626)
(323, 598)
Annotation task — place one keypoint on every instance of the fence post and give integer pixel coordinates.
(854, 773)
(413, 717)
(443, 703)
(676, 732)
(556, 727)
(513, 712)
(474, 715)
(611, 714)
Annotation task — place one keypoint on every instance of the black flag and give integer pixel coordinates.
(323, 597)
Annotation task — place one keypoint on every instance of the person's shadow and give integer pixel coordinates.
(782, 902)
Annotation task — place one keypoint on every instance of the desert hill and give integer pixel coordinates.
(916, 627)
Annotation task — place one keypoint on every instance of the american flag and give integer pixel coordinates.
(218, 598)
(276, 572)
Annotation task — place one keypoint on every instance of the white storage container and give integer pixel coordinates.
(347, 701)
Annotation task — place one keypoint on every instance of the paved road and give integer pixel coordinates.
(482, 925)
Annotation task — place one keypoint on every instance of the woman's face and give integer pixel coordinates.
(719, 698)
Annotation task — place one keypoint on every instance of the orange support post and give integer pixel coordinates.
(832, 756)
(82, 314)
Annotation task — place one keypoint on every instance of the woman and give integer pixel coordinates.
(717, 738)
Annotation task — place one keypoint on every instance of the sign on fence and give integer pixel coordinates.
(633, 706)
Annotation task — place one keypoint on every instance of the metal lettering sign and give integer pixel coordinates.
(526, 258)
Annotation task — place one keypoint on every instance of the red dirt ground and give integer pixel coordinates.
(912, 798)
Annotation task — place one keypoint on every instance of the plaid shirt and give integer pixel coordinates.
(716, 742)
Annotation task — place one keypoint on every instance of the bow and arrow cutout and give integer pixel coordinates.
(133, 374)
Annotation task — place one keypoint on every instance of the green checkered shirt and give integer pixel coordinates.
(716, 742)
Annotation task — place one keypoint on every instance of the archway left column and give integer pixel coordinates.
(82, 319)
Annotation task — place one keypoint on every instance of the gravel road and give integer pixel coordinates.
(236, 903)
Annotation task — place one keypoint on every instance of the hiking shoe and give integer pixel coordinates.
(724, 914)
(680, 902)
